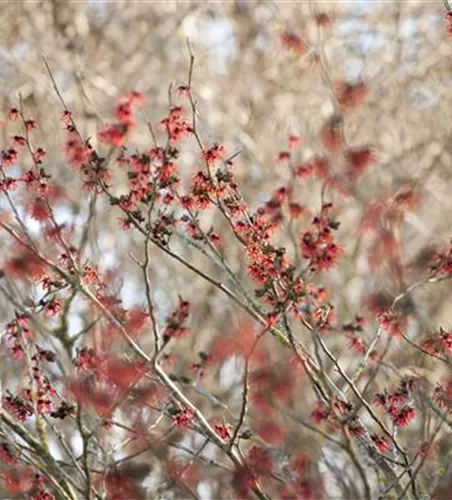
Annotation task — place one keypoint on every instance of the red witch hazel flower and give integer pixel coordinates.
(392, 322)
(442, 261)
(350, 96)
(175, 326)
(9, 157)
(292, 42)
(442, 395)
(358, 159)
(114, 135)
(213, 154)
(25, 266)
(383, 444)
(13, 114)
(54, 307)
(331, 135)
(223, 430)
(86, 359)
(183, 419)
(448, 17)
(183, 90)
(318, 245)
(402, 417)
(176, 126)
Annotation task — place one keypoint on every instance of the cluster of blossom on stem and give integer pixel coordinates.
(398, 403)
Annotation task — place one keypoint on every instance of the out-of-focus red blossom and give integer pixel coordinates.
(19, 481)
(237, 342)
(321, 413)
(183, 90)
(18, 406)
(121, 485)
(332, 135)
(350, 96)
(283, 157)
(215, 239)
(297, 210)
(27, 265)
(292, 42)
(43, 495)
(136, 321)
(305, 490)
(438, 343)
(187, 472)
(85, 393)
(19, 141)
(383, 444)
(324, 19)
(39, 154)
(66, 117)
(442, 261)
(136, 98)
(271, 320)
(442, 395)
(259, 460)
(39, 209)
(86, 359)
(359, 159)
(386, 248)
(13, 114)
(295, 141)
(30, 125)
(271, 432)
(8, 184)
(114, 134)
(393, 322)
(243, 481)
(6, 455)
(261, 404)
(176, 322)
(299, 463)
(448, 17)
(357, 344)
(124, 113)
(9, 157)
(122, 373)
(427, 450)
(355, 428)
(77, 152)
(90, 275)
(54, 307)
(184, 418)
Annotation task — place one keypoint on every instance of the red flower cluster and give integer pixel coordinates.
(176, 322)
(393, 322)
(439, 343)
(292, 42)
(442, 261)
(183, 418)
(442, 395)
(448, 17)
(317, 244)
(176, 125)
(116, 134)
(350, 96)
(397, 403)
